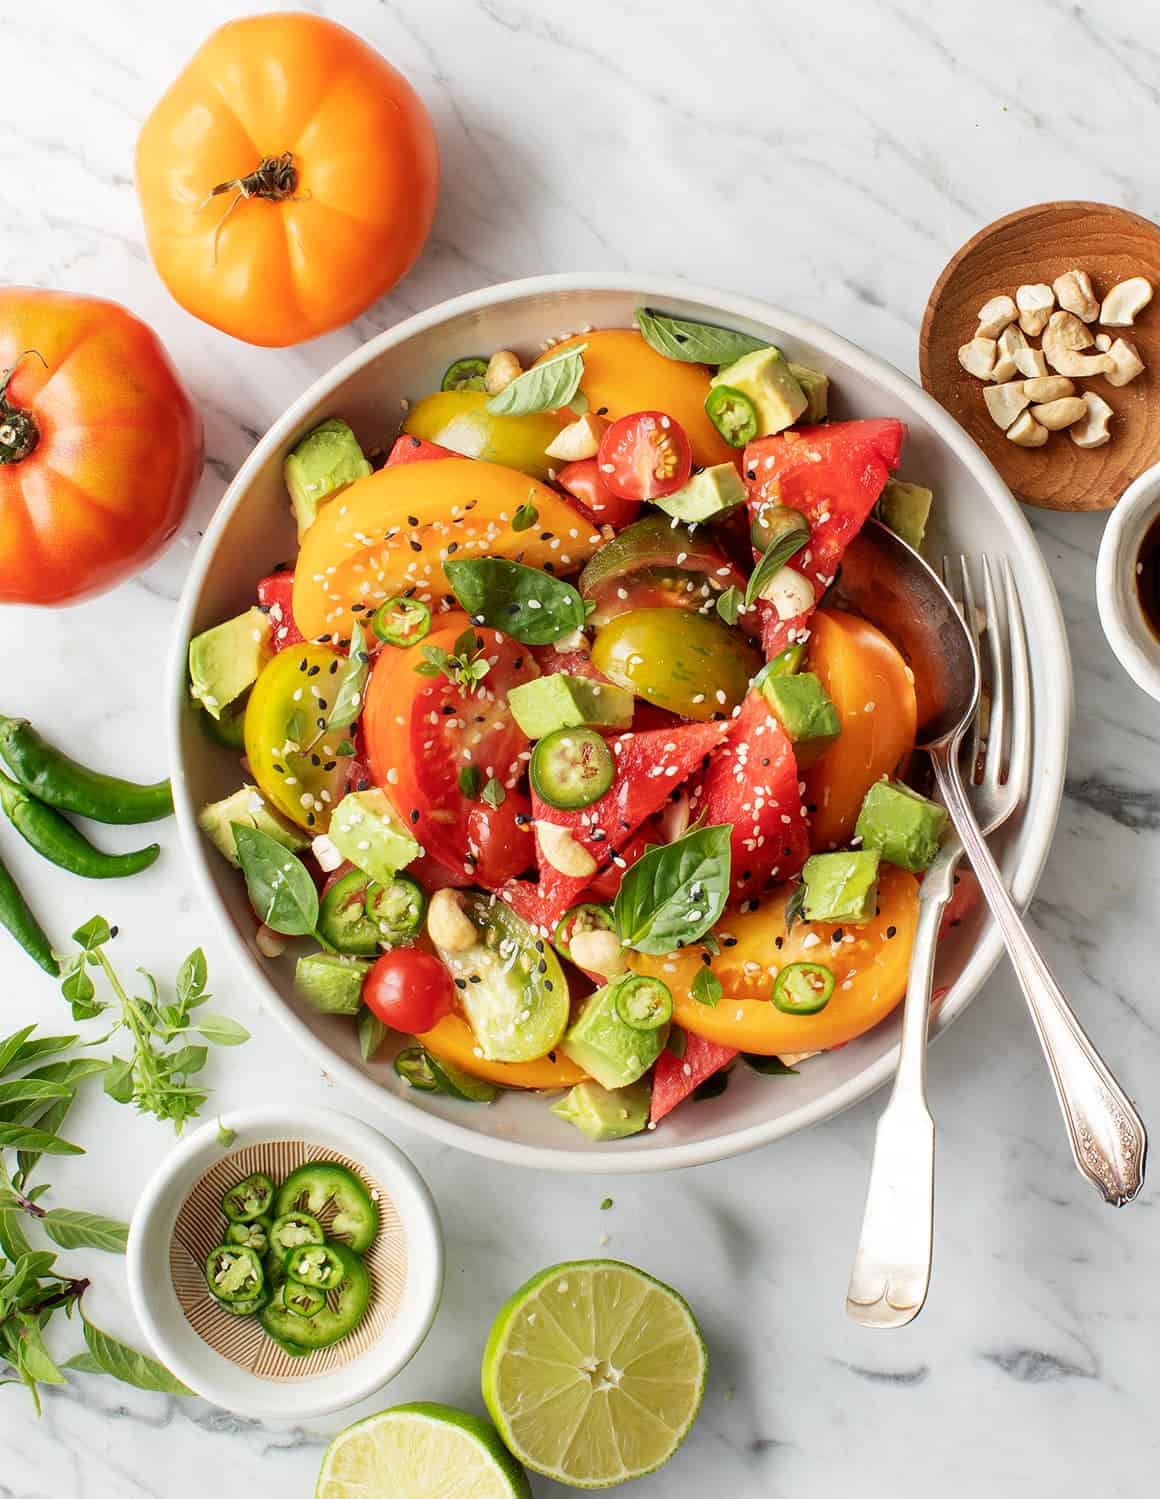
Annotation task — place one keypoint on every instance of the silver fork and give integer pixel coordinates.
(892, 1266)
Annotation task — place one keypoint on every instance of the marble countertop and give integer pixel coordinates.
(829, 158)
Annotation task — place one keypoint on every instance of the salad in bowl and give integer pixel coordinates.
(559, 756)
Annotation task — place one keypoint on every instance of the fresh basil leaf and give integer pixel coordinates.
(50, 1120)
(82, 1363)
(706, 987)
(526, 516)
(774, 558)
(371, 1033)
(674, 894)
(128, 1365)
(119, 1079)
(767, 1066)
(531, 606)
(12, 1046)
(187, 1059)
(694, 343)
(795, 905)
(36, 1363)
(95, 933)
(494, 793)
(72, 1230)
(22, 1137)
(77, 988)
(279, 884)
(12, 1238)
(222, 1030)
(225, 1135)
(191, 979)
(352, 682)
(545, 387)
(297, 727)
(31, 1090)
(70, 1072)
(729, 605)
(39, 1046)
(470, 782)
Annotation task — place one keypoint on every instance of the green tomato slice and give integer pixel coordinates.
(692, 664)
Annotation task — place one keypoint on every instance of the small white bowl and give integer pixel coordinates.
(216, 1378)
(1117, 597)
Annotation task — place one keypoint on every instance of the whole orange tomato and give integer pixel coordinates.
(100, 446)
(287, 178)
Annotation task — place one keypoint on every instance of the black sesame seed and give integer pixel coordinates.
(474, 978)
(281, 769)
(114, 930)
(330, 764)
(416, 546)
(364, 783)
(316, 760)
(314, 670)
(333, 666)
(414, 814)
(891, 931)
(310, 819)
(412, 520)
(452, 548)
(416, 443)
(461, 983)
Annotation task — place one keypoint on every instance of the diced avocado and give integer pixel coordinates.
(709, 493)
(367, 830)
(841, 886)
(800, 704)
(226, 659)
(562, 701)
(904, 827)
(330, 982)
(905, 508)
(765, 377)
(608, 1050)
(604, 1114)
(326, 460)
(816, 388)
(249, 807)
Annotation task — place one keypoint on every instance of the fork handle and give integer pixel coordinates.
(1107, 1136)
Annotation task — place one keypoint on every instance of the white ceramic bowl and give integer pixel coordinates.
(252, 530)
(1117, 597)
(201, 1367)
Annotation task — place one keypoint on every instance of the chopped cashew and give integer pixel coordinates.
(448, 924)
(1031, 362)
(1063, 337)
(1036, 303)
(792, 1058)
(502, 369)
(563, 852)
(994, 317)
(789, 592)
(1005, 402)
(1124, 301)
(1126, 362)
(1055, 415)
(326, 853)
(978, 357)
(579, 439)
(1012, 345)
(1026, 432)
(1074, 291)
(599, 952)
(268, 942)
(1049, 388)
(1093, 432)
(1103, 342)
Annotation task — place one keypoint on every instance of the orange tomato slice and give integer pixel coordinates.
(454, 1041)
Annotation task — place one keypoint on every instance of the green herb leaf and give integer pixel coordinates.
(225, 1135)
(470, 781)
(729, 605)
(73, 1230)
(95, 933)
(713, 1086)
(694, 343)
(706, 987)
(222, 1030)
(606, 1204)
(31, 1090)
(50, 1121)
(526, 516)
(494, 793)
(37, 1047)
(677, 1042)
(768, 1066)
(11, 1047)
(82, 1363)
(119, 1079)
(192, 979)
(21, 1137)
(77, 987)
(795, 905)
(279, 884)
(774, 558)
(35, 1362)
(545, 387)
(70, 1072)
(12, 1237)
(128, 1365)
(525, 603)
(188, 1059)
(352, 682)
(674, 894)
(371, 1034)
(297, 727)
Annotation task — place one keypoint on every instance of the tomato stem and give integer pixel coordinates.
(275, 177)
(19, 429)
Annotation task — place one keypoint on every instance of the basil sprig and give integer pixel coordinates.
(774, 558)
(352, 683)
(545, 387)
(531, 606)
(694, 343)
(706, 987)
(674, 894)
(279, 884)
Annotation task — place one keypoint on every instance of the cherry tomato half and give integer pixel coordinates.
(408, 990)
(583, 482)
(500, 839)
(644, 456)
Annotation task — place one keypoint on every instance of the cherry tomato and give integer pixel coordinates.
(644, 456)
(500, 839)
(408, 990)
(583, 481)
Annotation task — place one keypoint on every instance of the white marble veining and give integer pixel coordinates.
(828, 157)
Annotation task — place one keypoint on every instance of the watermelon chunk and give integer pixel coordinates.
(751, 781)
(541, 903)
(407, 449)
(276, 598)
(674, 1078)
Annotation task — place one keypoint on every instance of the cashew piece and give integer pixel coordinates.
(502, 369)
(1093, 432)
(1103, 342)
(563, 852)
(789, 592)
(978, 357)
(1026, 432)
(598, 952)
(994, 316)
(1049, 388)
(1005, 402)
(1012, 346)
(1055, 415)
(1063, 337)
(1074, 292)
(448, 924)
(1031, 362)
(579, 439)
(1124, 301)
(1036, 303)
(1126, 362)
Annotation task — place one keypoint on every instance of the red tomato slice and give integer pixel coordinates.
(421, 732)
(500, 841)
(644, 456)
(583, 482)
(276, 598)
(409, 990)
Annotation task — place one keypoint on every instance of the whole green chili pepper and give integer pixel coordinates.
(54, 778)
(15, 915)
(51, 834)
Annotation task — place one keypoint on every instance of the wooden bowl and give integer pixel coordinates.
(1039, 244)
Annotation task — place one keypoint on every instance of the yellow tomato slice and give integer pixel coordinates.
(286, 707)
(392, 532)
(454, 1041)
(460, 420)
(869, 964)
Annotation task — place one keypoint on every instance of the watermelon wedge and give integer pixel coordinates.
(674, 1078)
(407, 449)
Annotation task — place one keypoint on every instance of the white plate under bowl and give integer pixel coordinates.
(252, 530)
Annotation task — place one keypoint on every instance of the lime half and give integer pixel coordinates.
(420, 1452)
(594, 1373)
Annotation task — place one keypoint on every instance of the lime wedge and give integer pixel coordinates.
(594, 1373)
(420, 1452)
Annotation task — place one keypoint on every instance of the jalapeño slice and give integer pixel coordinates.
(572, 767)
(340, 1313)
(733, 414)
(249, 1199)
(803, 988)
(401, 621)
(643, 1003)
(234, 1273)
(464, 374)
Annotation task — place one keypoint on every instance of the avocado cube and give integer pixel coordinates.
(904, 827)
(608, 1050)
(225, 660)
(905, 508)
(765, 377)
(250, 808)
(330, 982)
(326, 460)
(602, 1114)
(562, 701)
(367, 830)
(709, 493)
(801, 706)
(816, 388)
(841, 886)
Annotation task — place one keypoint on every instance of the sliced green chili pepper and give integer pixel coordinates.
(62, 782)
(342, 916)
(293, 1230)
(301, 1299)
(585, 918)
(53, 837)
(401, 621)
(248, 1307)
(786, 664)
(733, 414)
(310, 1189)
(413, 1065)
(465, 374)
(803, 988)
(249, 1199)
(340, 1314)
(396, 909)
(315, 1265)
(643, 1003)
(255, 1236)
(16, 916)
(459, 1084)
(234, 1273)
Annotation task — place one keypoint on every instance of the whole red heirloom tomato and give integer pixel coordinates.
(100, 445)
(287, 178)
